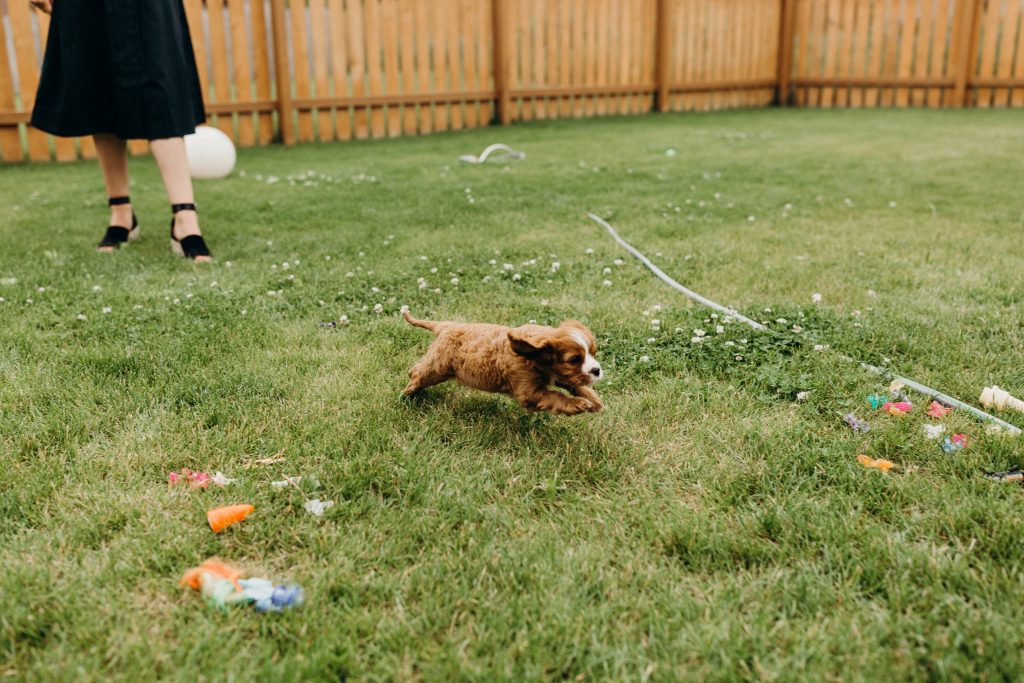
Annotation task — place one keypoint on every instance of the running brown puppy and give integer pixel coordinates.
(523, 362)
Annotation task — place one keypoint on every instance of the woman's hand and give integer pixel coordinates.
(42, 5)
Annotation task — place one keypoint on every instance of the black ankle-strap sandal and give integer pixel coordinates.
(192, 245)
(117, 235)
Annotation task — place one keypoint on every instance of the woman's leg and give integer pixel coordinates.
(113, 155)
(170, 157)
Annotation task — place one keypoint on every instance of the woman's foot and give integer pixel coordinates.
(123, 225)
(184, 225)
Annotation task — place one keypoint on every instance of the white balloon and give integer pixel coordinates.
(210, 152)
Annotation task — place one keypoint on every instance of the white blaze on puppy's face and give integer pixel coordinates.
(591, 368)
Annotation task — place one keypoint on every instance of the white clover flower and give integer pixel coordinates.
(696, 340)
(738, 357)
(820, 347)
(327, 257)
(797, 329)
(606, 271)
(80, 317)
(729, 343)
(618, 262)
(228, 264)
(656, 307)
(377, 308)
(816, 298)
(607, 283)
(697, 332)
(848, 201)
(107, 309)
(343, 320)
(588, 250)
(507, 266)
(856, 314)
(213, 284)
(285, 265)
(516, 277)
(645, 359)
(655, 323)
(892, 205)
(544, 302)
(679, 330)
(176, 302)
(437, 290)
(404, 309)
(41, 289)
(872, 293)
(96, 288)
(781, 321)
(433, 270)
(375, 290)
(273, 266)
(244, 311)
(422, 285)
(455, 281)
(269, 293)
(751, 219)
(321, 302)
(487, 278)
(2, 299)
(802, 396)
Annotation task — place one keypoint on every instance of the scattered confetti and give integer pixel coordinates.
(859, 426)
(317, 507)
(936, 409)
(879, 464)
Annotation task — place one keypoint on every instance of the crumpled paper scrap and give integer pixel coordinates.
(317, 507)
(878, 464)
(859, 426)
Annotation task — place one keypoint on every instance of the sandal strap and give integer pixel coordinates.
(193, 246)
(114, 201)
(115, 236)
(175, 208)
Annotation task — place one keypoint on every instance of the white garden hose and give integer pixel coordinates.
(909, 383)
(509, 153)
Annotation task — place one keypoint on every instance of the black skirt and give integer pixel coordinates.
(123, 67)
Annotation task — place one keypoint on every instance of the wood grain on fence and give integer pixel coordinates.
(926, 53)
(322, 70)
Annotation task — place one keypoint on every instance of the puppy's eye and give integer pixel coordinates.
(576, 360)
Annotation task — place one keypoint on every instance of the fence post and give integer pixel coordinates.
(965, 24)
(500, 62)
(279, 33)
(784, 60)
(663, 31)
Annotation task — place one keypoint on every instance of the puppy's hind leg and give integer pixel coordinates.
(425, 374)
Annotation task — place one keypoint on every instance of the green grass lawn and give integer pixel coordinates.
(708, 525)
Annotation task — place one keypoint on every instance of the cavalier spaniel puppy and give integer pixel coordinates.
(523, 362)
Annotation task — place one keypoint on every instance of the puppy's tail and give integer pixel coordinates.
(425, 324)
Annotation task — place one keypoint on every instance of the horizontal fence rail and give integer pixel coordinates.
(321, 70)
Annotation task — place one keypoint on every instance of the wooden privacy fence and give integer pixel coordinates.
(305, 70)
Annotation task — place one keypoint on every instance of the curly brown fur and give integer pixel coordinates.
(523, 362)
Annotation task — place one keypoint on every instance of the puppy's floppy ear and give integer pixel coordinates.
(527, 345)
(576, 324)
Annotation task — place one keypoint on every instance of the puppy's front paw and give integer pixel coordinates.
(596, 405)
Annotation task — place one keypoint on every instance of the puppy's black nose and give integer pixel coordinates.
(596, 372)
